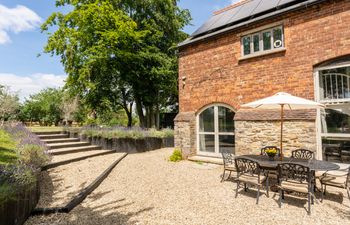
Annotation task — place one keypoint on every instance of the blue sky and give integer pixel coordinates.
(21, 41)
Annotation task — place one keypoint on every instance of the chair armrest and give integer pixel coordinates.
(334, 173)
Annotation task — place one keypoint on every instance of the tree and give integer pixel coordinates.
(117, 52)
(91, 40)
(44, 107)
(9, 104)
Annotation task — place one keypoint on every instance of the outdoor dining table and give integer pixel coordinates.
(313, 164)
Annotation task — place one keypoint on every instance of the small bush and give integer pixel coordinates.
(176, 156)
(33, 155)
(14, 177)
(164, 133)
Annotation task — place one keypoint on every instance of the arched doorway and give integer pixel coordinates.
(215, 130)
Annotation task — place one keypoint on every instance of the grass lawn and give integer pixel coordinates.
(7, 148)
(43, 129)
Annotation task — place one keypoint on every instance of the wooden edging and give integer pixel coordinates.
(52, 165)
(82, 195)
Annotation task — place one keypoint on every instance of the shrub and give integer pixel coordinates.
(33, 155)
(176, 156)
(124, 132)
(164, 133)
(13, 177)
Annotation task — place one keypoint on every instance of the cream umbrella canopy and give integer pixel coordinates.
(280, 101)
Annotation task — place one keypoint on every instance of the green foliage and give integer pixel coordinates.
(6, 193)
(176, 156)
(9, 104)
(13, 178)
(7, 148)
(33, 155)
(119, 132)
(164, 133)
(44, 107)
(120, 52)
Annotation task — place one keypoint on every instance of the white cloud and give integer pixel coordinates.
(16, 20)
(31, 84)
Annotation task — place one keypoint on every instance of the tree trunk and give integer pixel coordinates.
(148, 120)
(157, 117)
(127, 108)
(152, 117)
(129, 114)
(140, 111)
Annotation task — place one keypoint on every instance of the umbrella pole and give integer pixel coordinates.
(282, 114)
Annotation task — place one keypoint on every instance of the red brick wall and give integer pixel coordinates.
(215, 75)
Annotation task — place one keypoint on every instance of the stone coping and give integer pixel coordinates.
(274, 115)
(184, 117)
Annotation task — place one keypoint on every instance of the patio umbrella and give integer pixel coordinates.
(280, 101)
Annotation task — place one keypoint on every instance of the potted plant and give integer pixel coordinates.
(271, 152)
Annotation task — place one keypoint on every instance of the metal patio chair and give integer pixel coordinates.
(302, 154)
(229, 164)
(249, 172)
(339, 180)
(296, 178)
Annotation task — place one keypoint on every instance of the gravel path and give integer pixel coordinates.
(61, 184)
(147, 189)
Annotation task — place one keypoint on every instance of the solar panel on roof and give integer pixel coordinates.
(242, 12)
(264, 6)
(246, 10)
(226, 17)
(206, 26)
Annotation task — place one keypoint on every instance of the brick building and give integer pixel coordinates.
(254, 49)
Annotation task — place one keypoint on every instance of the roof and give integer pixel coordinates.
(243, 13)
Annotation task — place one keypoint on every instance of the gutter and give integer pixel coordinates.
(266, 16)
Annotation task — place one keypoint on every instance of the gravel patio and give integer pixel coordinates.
(145, 188)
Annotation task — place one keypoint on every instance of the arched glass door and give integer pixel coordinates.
(215, 132)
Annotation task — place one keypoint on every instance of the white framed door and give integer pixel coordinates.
(215, 130)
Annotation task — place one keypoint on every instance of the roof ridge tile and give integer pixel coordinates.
(241, 2)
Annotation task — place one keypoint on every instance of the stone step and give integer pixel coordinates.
(67, 145)
(77, 156)
(74, 149)
(61, 140)
(47, 132)
(52, 136)
(206, 159)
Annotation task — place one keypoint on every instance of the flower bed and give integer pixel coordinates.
(19, 189)
(123, 139)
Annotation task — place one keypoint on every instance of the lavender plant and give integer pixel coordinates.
(32, 154)
(124, 132)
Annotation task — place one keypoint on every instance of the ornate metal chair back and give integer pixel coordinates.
(228, 158)
(263, 150)
(302, 154)
(244, 165)
(294, 171)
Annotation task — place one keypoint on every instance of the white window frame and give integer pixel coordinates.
(319, 98)
(261, 44)
(216, 132)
